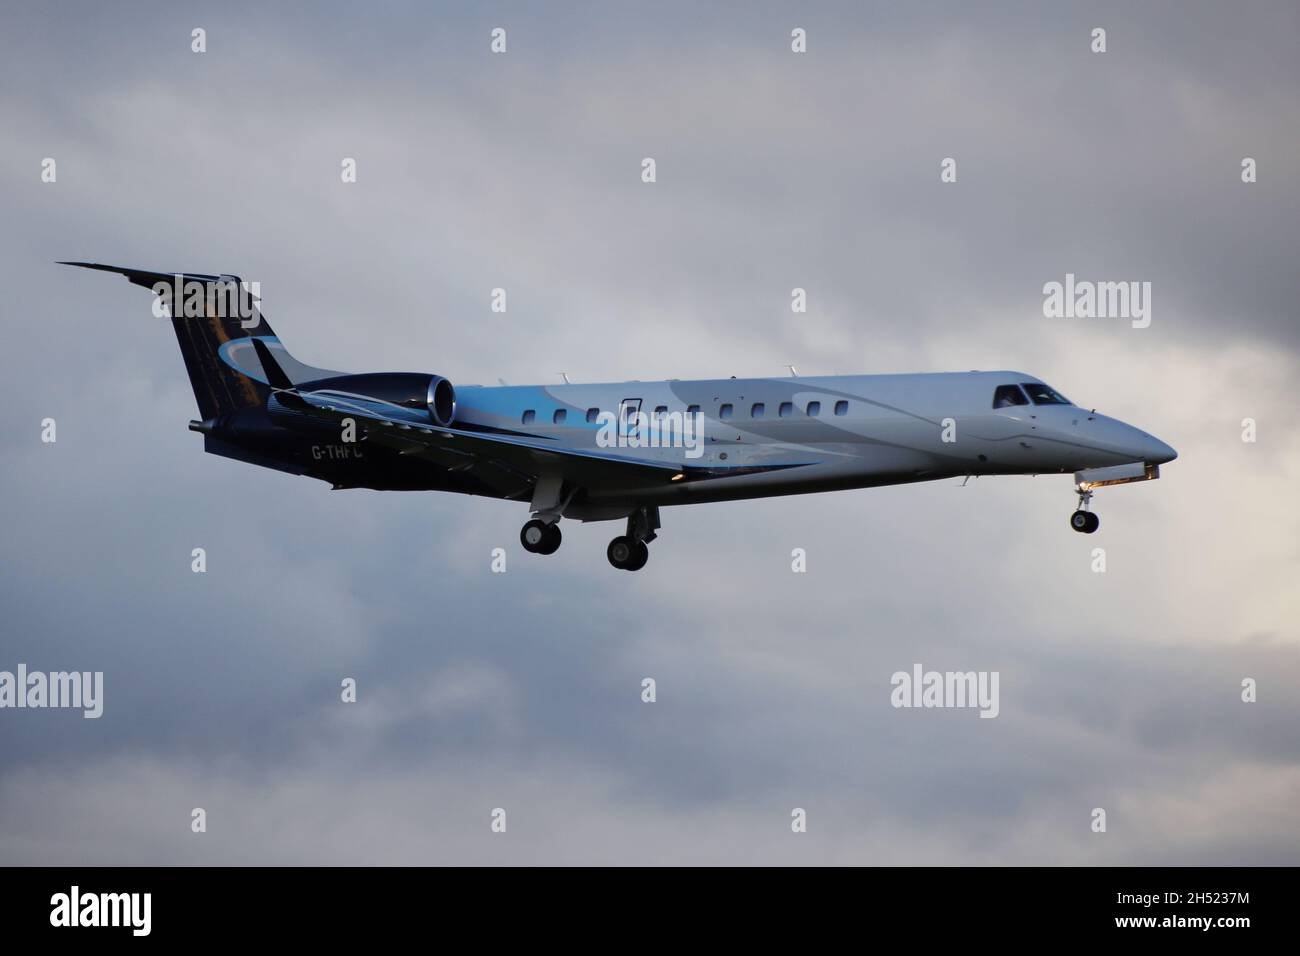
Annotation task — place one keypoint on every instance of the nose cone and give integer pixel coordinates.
(1156, 452)
(1113, 442)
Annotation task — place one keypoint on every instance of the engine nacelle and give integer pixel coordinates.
(441, 400)
(412, 390)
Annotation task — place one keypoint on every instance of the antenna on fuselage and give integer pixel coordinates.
(794, 372)
(565, 376)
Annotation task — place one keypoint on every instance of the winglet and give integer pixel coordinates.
(275, 376)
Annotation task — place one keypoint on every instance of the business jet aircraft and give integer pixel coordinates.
(623, 450)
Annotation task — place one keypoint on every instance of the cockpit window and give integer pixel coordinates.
(1044, 395)
(1008, 395)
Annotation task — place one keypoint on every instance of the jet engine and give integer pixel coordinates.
(410, 390)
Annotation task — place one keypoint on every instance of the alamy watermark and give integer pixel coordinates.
(64, 689)
(659, 430)
(226, 298)
(76, 908)
(1083, 299)
(922, 688)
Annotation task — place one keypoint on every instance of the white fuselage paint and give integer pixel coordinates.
(893, 429)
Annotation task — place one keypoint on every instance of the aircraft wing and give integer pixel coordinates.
(488, 453)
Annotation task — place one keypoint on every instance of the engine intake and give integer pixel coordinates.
(441, 400)
(411, 390)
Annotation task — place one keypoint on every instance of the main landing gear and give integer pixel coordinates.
(540, 537)
(1083, 520)
(628, 552)
(542, 534)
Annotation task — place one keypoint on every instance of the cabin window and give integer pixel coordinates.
(724, 411)
(559, 416)
(1004, 396)
(757, 410)
(692, 409)
(814, 409)
(529, 415)
(1044, 394)
(841, 408)
(661, 410)
(786, 410)
(593, 414)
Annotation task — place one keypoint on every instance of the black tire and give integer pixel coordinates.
(620, 551)
(1093, 523)
(533, 536)
(551, 542)
(1079, 521)
(640, 555)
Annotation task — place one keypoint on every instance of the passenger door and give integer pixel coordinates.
(628, 419)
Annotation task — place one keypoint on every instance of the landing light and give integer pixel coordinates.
(1116, 475)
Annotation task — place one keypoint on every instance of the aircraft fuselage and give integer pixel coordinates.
(753, 437)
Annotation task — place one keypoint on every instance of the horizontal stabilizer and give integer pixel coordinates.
(149, 279)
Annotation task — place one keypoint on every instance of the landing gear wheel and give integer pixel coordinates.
(551, 543)
(540, 537)
(1085, 522)
(627, 554)
(640, 555)
(622, 551)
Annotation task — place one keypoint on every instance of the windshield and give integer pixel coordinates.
(1007, 395)
(1044, 394)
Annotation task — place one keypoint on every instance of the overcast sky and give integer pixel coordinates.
(775, 170)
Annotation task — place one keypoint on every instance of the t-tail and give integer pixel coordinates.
(217, 323)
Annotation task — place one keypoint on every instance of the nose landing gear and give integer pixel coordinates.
(1083, 520)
